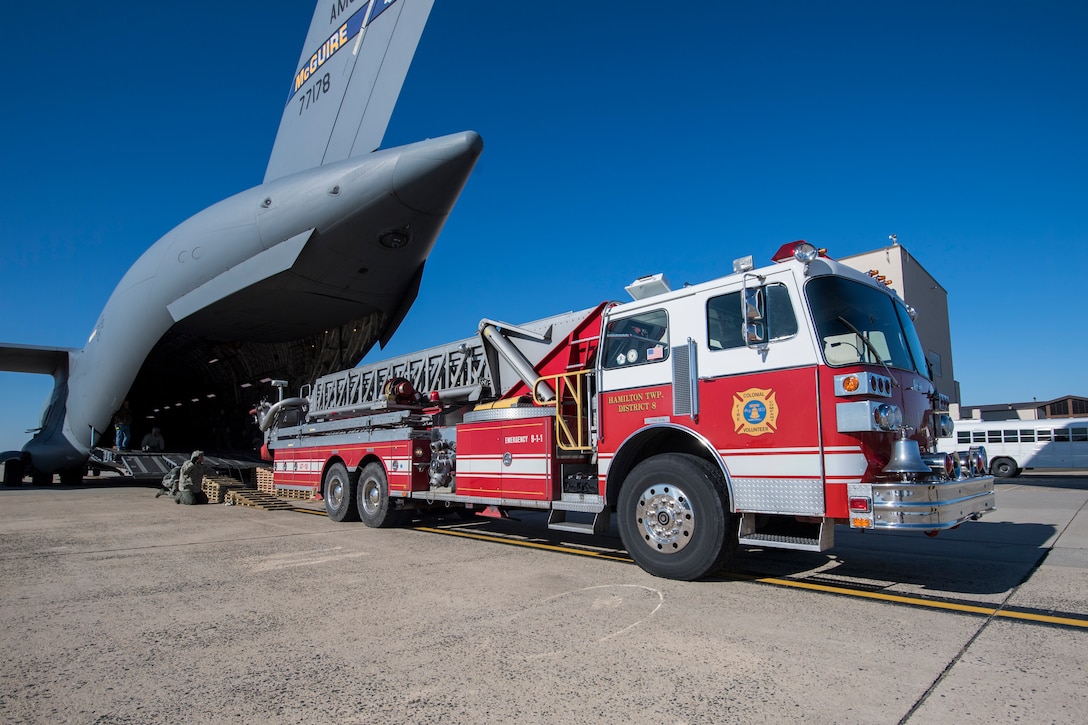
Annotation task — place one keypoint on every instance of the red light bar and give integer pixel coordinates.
(785, 252)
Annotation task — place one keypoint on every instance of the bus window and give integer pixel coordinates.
(993, 436)
(963, 436)
(1061, 435)
(1027, 436)
(1080, 434)
(1043, 435)
(1010, 436)
(978, 436)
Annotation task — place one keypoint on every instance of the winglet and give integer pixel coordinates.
(347, 82)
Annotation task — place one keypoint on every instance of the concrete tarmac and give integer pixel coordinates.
(123, 608)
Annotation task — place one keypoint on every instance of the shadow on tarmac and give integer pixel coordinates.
(986, 557)
(1069, 482)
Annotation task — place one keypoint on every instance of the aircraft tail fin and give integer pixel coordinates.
(348, 78)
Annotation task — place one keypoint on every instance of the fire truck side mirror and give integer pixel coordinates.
(754, 312)
(754, 307)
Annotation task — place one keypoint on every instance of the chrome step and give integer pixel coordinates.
(557, 521)
(823, 537)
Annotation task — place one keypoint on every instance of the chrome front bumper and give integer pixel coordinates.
(924, 505)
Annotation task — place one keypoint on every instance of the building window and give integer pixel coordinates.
(1080, 407)
(1060, 407)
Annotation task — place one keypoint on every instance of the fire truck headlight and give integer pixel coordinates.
(947, 427)
(888, 416)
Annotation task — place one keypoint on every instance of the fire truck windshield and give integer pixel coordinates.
(843, 309)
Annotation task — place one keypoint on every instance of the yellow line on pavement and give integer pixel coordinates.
(930, 603)
(519, 542)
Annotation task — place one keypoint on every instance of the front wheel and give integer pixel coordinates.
(339, 494)
(375, 508)
(674, 517)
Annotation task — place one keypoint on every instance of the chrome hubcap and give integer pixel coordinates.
(372, 495)
(335, 492)
(665, 517)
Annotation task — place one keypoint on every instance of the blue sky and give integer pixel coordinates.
(621, 139)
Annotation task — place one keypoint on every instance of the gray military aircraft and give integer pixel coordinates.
(288, 280)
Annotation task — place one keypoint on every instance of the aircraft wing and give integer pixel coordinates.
(31, 359)
(348, 78)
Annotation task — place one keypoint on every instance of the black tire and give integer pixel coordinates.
(1003, 467)
(13, 473)
(674, 517)
(339, 493)
(375, 508)
(72, 476)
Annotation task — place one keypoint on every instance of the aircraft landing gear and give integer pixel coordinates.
(13, 473)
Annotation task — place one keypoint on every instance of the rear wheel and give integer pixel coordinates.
(72, 476)
(339, 494)
(674, 517)
(375, 508)
(1003, 467)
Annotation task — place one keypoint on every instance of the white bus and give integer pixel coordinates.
(1017, 445)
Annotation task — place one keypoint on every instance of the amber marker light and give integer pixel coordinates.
(850, 383)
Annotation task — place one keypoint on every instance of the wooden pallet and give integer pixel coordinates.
(264, 480)
(258, 500)
(216, 488)
(306, 494)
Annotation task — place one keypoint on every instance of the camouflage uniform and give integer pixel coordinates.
(189, 479)
(170, 483)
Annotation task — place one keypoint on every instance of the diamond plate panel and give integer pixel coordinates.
(780, 495)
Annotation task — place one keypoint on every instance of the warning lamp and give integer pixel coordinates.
(800, 250)
(850, 383)
(860, 505)
(434, 396)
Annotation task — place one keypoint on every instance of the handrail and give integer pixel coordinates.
(570, 390)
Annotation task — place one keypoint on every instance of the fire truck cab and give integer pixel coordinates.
(761, 408)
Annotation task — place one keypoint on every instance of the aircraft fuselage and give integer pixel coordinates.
(271, 264)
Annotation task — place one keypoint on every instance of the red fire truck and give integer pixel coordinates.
(761, 408)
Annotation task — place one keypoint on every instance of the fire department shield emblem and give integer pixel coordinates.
(755, 412)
